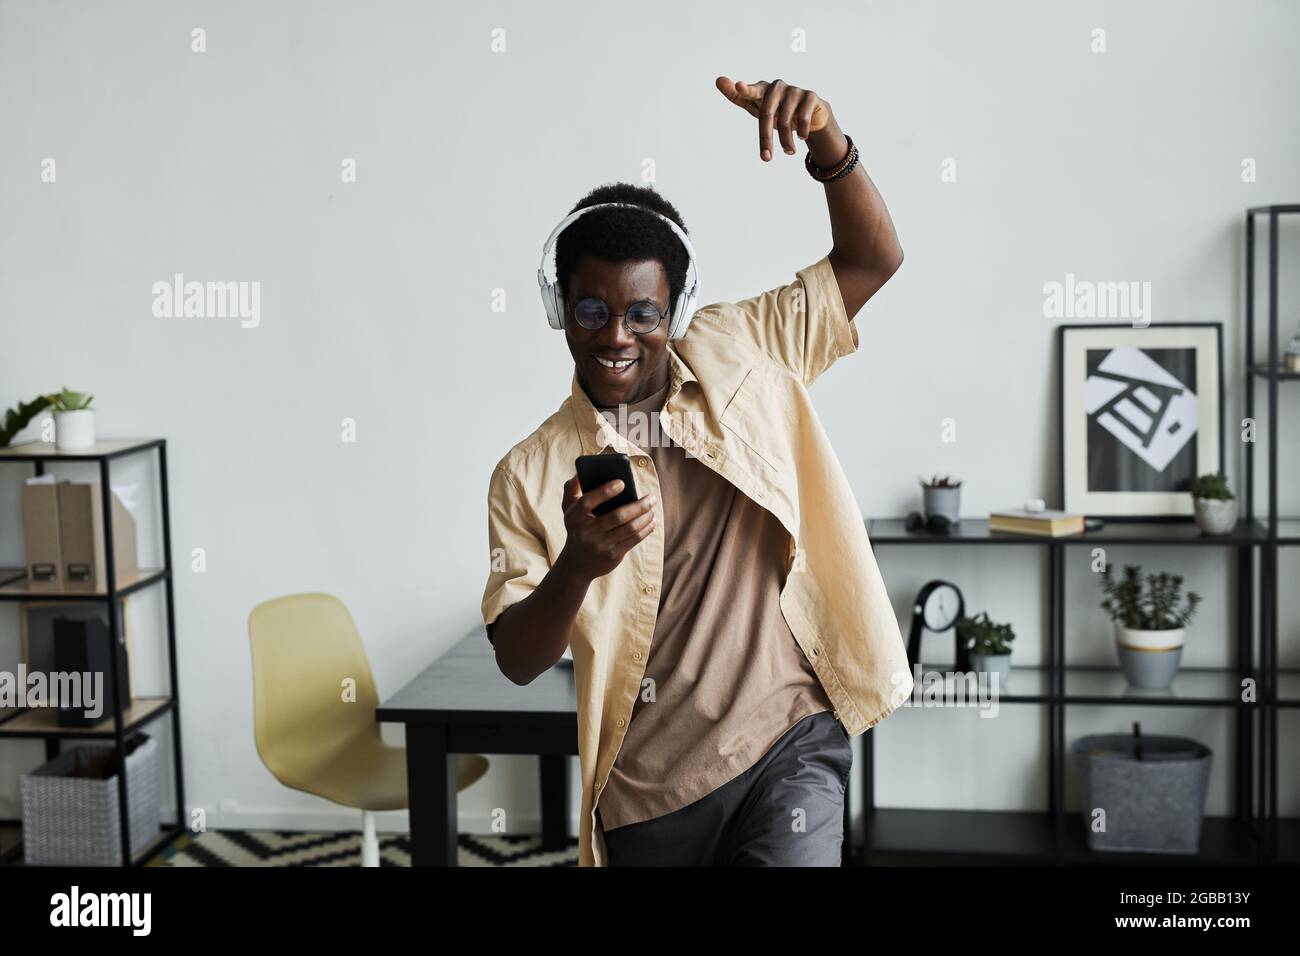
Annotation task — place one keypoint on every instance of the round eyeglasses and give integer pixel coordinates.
(641, 317)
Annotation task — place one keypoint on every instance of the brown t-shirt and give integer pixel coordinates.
(728, 676)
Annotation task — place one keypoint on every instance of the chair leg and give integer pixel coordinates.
(369, 842)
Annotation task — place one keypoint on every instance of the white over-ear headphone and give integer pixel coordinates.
(553, 295)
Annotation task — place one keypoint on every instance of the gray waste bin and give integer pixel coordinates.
(1153, 803)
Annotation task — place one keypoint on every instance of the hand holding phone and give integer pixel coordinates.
(603, 516)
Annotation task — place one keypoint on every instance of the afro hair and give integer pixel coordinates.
(623, 235)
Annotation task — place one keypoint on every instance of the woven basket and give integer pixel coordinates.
(74, 821)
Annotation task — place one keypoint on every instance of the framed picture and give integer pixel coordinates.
(1141, 416)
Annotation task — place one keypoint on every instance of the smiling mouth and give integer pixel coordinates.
(614, 367)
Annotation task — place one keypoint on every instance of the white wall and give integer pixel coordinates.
(1123, 165)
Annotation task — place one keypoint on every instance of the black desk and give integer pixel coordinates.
(461, 704)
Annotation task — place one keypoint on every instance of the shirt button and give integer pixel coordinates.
(643, 461)
(649, 589)
(636, 655)
(620, 721)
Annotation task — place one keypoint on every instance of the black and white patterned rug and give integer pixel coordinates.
(306, 848)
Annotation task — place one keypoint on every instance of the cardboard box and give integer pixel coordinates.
(41, 537)
(81, 538)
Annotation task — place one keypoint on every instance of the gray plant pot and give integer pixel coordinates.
(1153, 805)
(1215, 515)
(1149, 670)
(943, 501)
(1149, 659)
(999, 664)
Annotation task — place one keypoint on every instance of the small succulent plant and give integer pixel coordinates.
(1212, 486)
(982, 636)
(70, 401)
(940, 481)
(1158, 609)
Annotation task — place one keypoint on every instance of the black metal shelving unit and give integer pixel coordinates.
(1281, 689)
(1253, 834)
(983, 837)
(42, 723)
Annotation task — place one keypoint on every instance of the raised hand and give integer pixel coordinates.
(789, 109)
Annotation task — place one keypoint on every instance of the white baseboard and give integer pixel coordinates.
(345, 818)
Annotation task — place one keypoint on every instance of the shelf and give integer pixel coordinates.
(166, 835)
(1171, 532)
(1288, 530)
(48, 451)
(976, 531)
(1260, 370)
(980, 835)
(1026, 685)
(967, 531)
(1280, 209)
(992, 836)
(1224, 842)
(21, 589)
(43, 722)
(1191, 687)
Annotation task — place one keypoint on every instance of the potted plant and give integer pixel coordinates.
(16, 419)
(1214, 504)
(1150, 624)
(74, 420)
(941, 495)
(989, 645)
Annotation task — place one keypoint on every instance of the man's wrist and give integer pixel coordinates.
(828, 145)
(570, 579)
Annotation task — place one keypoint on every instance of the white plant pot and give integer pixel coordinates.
(75, 431)
(1140, 640)
(1215, 515)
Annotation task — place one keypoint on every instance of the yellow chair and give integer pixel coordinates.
(314, 703)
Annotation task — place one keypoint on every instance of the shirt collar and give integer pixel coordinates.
(595, 431)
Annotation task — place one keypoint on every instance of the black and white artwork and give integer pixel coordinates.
(1141, 417)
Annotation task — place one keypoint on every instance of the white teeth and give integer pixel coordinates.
(608, 364)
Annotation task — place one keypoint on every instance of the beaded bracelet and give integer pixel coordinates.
(842, 168)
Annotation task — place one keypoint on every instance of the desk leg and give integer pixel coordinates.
(431, 778)
(555, 801)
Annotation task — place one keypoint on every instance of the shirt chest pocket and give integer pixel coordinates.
(756, 417)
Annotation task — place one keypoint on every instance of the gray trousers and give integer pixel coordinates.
(786, 810)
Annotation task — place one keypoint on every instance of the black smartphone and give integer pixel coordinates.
(596, 470)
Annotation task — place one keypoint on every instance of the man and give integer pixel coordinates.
(729, 629)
